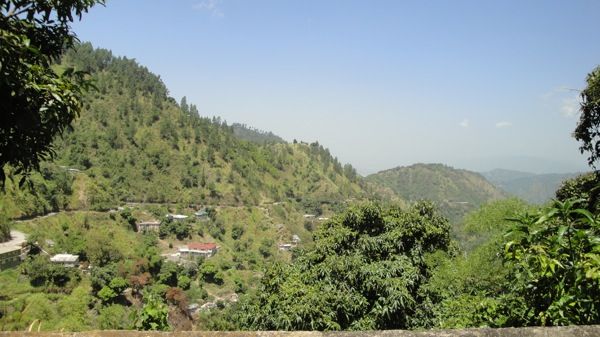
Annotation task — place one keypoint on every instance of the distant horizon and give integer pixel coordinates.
(472, 85)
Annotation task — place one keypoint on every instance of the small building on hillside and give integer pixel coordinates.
(195, 249)
(309, 216)
(201, 215)
(145, 226)
(67, 260)
(12, 252)
(295, 239)
(286, 246)
(177, 217)
(322, 218)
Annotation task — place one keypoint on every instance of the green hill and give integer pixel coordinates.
(455, 191)
(134, 143)
(133, 146)
(534, 188)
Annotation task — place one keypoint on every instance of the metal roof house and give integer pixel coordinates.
(177, 217)
(67, 260)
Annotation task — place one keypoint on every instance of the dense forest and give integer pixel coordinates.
(302, 242)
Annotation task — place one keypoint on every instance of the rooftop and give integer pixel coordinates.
(154, 222)
(201, 246)
(64, 258)
(177, 216)
(17, 240)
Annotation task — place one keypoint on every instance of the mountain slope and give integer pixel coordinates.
(137, 138)
(134, 143)
(455, 191)
(534, 188)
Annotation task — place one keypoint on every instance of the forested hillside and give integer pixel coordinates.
(245, 132)
(133, 142)
(455, 191)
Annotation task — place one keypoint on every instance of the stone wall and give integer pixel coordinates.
(569, 331)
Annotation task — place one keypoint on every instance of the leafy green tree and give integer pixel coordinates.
(588, 128)
(107, 294)
(37, 102)
(131, 220)
(586, 187)
(168, 273)
(153, 315)
(365, 271)
(115, 317)
(555, 261)
(237, 231)
(209, 272)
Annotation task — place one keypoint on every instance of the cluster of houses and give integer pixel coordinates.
(154, 225)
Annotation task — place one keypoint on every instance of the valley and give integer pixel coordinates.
(154, 217)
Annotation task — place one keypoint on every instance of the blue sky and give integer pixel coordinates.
(473, 84)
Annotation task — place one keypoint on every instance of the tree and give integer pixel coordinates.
(37, 103)
(154, 314)
(365, 271)
(588, 128)
(554, 258)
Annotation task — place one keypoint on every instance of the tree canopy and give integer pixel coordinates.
(37, 101)
(588, 128)
(365, 271)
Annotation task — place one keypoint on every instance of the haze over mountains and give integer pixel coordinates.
(531, 187)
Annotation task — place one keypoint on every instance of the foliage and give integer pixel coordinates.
(37, 102)
(153, 315)
(129, 218)
(209, 272)
(588, 128)
(365, 271)
(586, 187)
(555, 260)
(245, 132)
(111, 291)
(42, 272)
(455, 191)
(181, 229)
(115, 317)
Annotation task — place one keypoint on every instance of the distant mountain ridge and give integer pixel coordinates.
(531, 187)
(456, 191)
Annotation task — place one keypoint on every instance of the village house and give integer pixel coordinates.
(195, 249)
(286, 246)
(12, 251)
(145, 226)
(177, 217)
(67, 260)
(309, 216)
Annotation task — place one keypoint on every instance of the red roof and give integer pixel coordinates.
(201, 246)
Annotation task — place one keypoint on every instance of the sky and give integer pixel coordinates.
(472, 84)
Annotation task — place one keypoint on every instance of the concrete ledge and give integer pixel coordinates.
(567, 331)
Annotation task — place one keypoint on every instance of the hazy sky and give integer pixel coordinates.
(473, 84)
